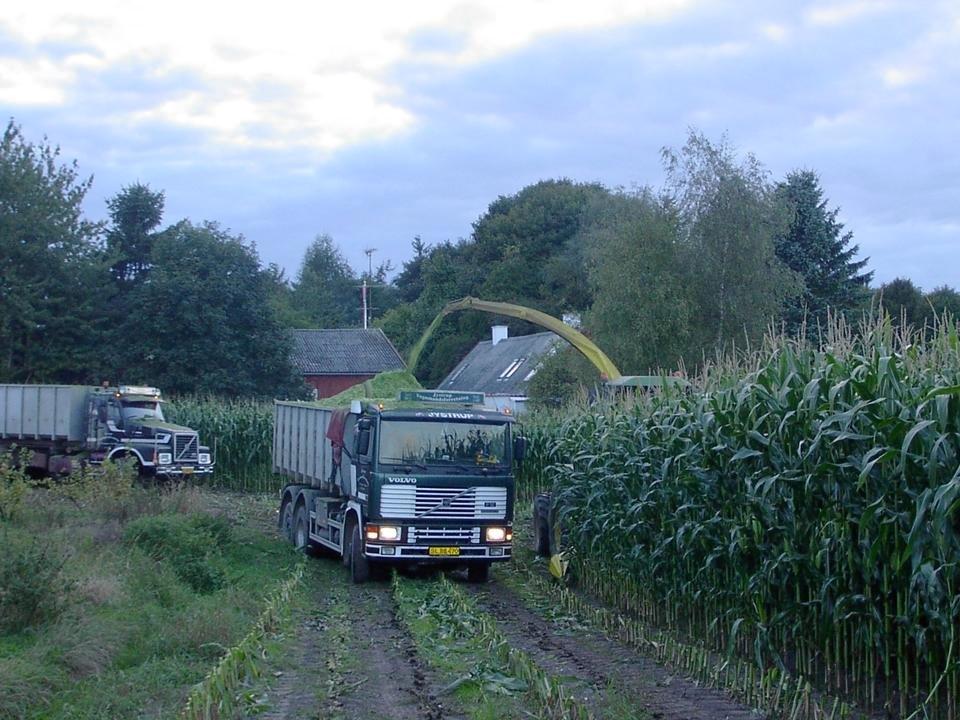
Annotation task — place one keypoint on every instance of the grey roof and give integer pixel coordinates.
(345, 351)
(490, 368)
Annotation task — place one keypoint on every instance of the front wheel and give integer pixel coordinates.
(359, 565)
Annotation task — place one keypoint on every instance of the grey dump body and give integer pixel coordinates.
(44, 412)
(56, 428)
(301, 450)
(376, 509)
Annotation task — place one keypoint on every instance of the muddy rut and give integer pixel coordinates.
(597, 666)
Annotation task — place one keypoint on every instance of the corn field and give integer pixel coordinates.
(804, 517)
(240, 431)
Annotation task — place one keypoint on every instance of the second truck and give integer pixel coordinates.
(429, 481)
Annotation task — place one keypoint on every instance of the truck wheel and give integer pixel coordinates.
(359, 566)
(301, 530)
(541, 526)
(286, 521)
(478, 573)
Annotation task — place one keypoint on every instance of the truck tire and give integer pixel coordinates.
(286, 520)
(541, 526)
(359, 565)
(301, 529)
(478, 573)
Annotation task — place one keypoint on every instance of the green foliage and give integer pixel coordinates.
(204, 314)
(815, 246)
(33, 589)
(188, 544)
(562, 377)
(240, 431)
(804, 514)
(384, 386)
(728, 216)
(903, 301)
(326, 293)
(48, 278)
(135, 212)
(644, 307)
(14, 485)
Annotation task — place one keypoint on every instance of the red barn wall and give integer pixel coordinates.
(329, 385)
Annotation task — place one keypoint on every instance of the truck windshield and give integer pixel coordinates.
(133, 409)
(442, 442)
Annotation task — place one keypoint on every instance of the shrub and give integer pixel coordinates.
(14, 484)
(32, 587)
(189, 544)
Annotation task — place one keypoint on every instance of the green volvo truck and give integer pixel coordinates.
(428, 480)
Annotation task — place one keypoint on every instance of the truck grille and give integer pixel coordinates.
(186, 447)
(443, 535)
(475, 503)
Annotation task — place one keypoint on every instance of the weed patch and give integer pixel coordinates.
(188, 544)
(33, 589)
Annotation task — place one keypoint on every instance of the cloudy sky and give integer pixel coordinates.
(378, 121)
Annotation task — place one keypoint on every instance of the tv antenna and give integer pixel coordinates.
(365, 288)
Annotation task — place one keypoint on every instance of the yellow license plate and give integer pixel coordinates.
(444, 551)
(187, 470)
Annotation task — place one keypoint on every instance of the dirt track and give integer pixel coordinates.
(596, 663)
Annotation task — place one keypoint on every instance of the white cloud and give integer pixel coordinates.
(844, 12)
(315, 74)
(774, 31)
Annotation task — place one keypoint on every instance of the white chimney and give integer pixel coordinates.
(498, 333)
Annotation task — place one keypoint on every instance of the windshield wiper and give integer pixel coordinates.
(402, 461)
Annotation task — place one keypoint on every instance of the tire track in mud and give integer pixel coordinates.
(392, 682)
(601, 663)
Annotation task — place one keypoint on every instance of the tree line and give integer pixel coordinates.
(660, 278)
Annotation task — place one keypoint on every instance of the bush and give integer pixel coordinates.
(14, 484)
(189, 544)
(32, 587)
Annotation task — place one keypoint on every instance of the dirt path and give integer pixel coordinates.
(351, 658)
(599, 662)
(394, 682)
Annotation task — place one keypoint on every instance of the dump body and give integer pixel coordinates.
(44, 412)
(415, 484)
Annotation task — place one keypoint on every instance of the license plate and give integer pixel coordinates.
(444, 551)
(187, 470)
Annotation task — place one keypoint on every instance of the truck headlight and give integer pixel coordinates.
(204, 458)
(164, 458)
(496, 534)
(389, 533)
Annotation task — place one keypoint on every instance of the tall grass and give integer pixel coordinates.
(801, 509)
(241, 433)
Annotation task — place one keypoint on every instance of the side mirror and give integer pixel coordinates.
(519, 448)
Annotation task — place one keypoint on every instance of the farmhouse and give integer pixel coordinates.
(502, 367)
(333, 360)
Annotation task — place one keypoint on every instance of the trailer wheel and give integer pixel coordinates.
(286, 520)
(359, 566)
(478, 573)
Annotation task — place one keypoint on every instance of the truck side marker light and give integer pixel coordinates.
(372, 532)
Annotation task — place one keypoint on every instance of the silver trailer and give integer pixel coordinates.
(303, 453)
(44, 412)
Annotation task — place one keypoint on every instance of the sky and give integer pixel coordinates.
(377, 121)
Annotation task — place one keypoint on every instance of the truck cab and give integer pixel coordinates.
(414, 484)
(128, 422)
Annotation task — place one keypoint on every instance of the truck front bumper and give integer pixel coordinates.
(438, 553)
(184, 470)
